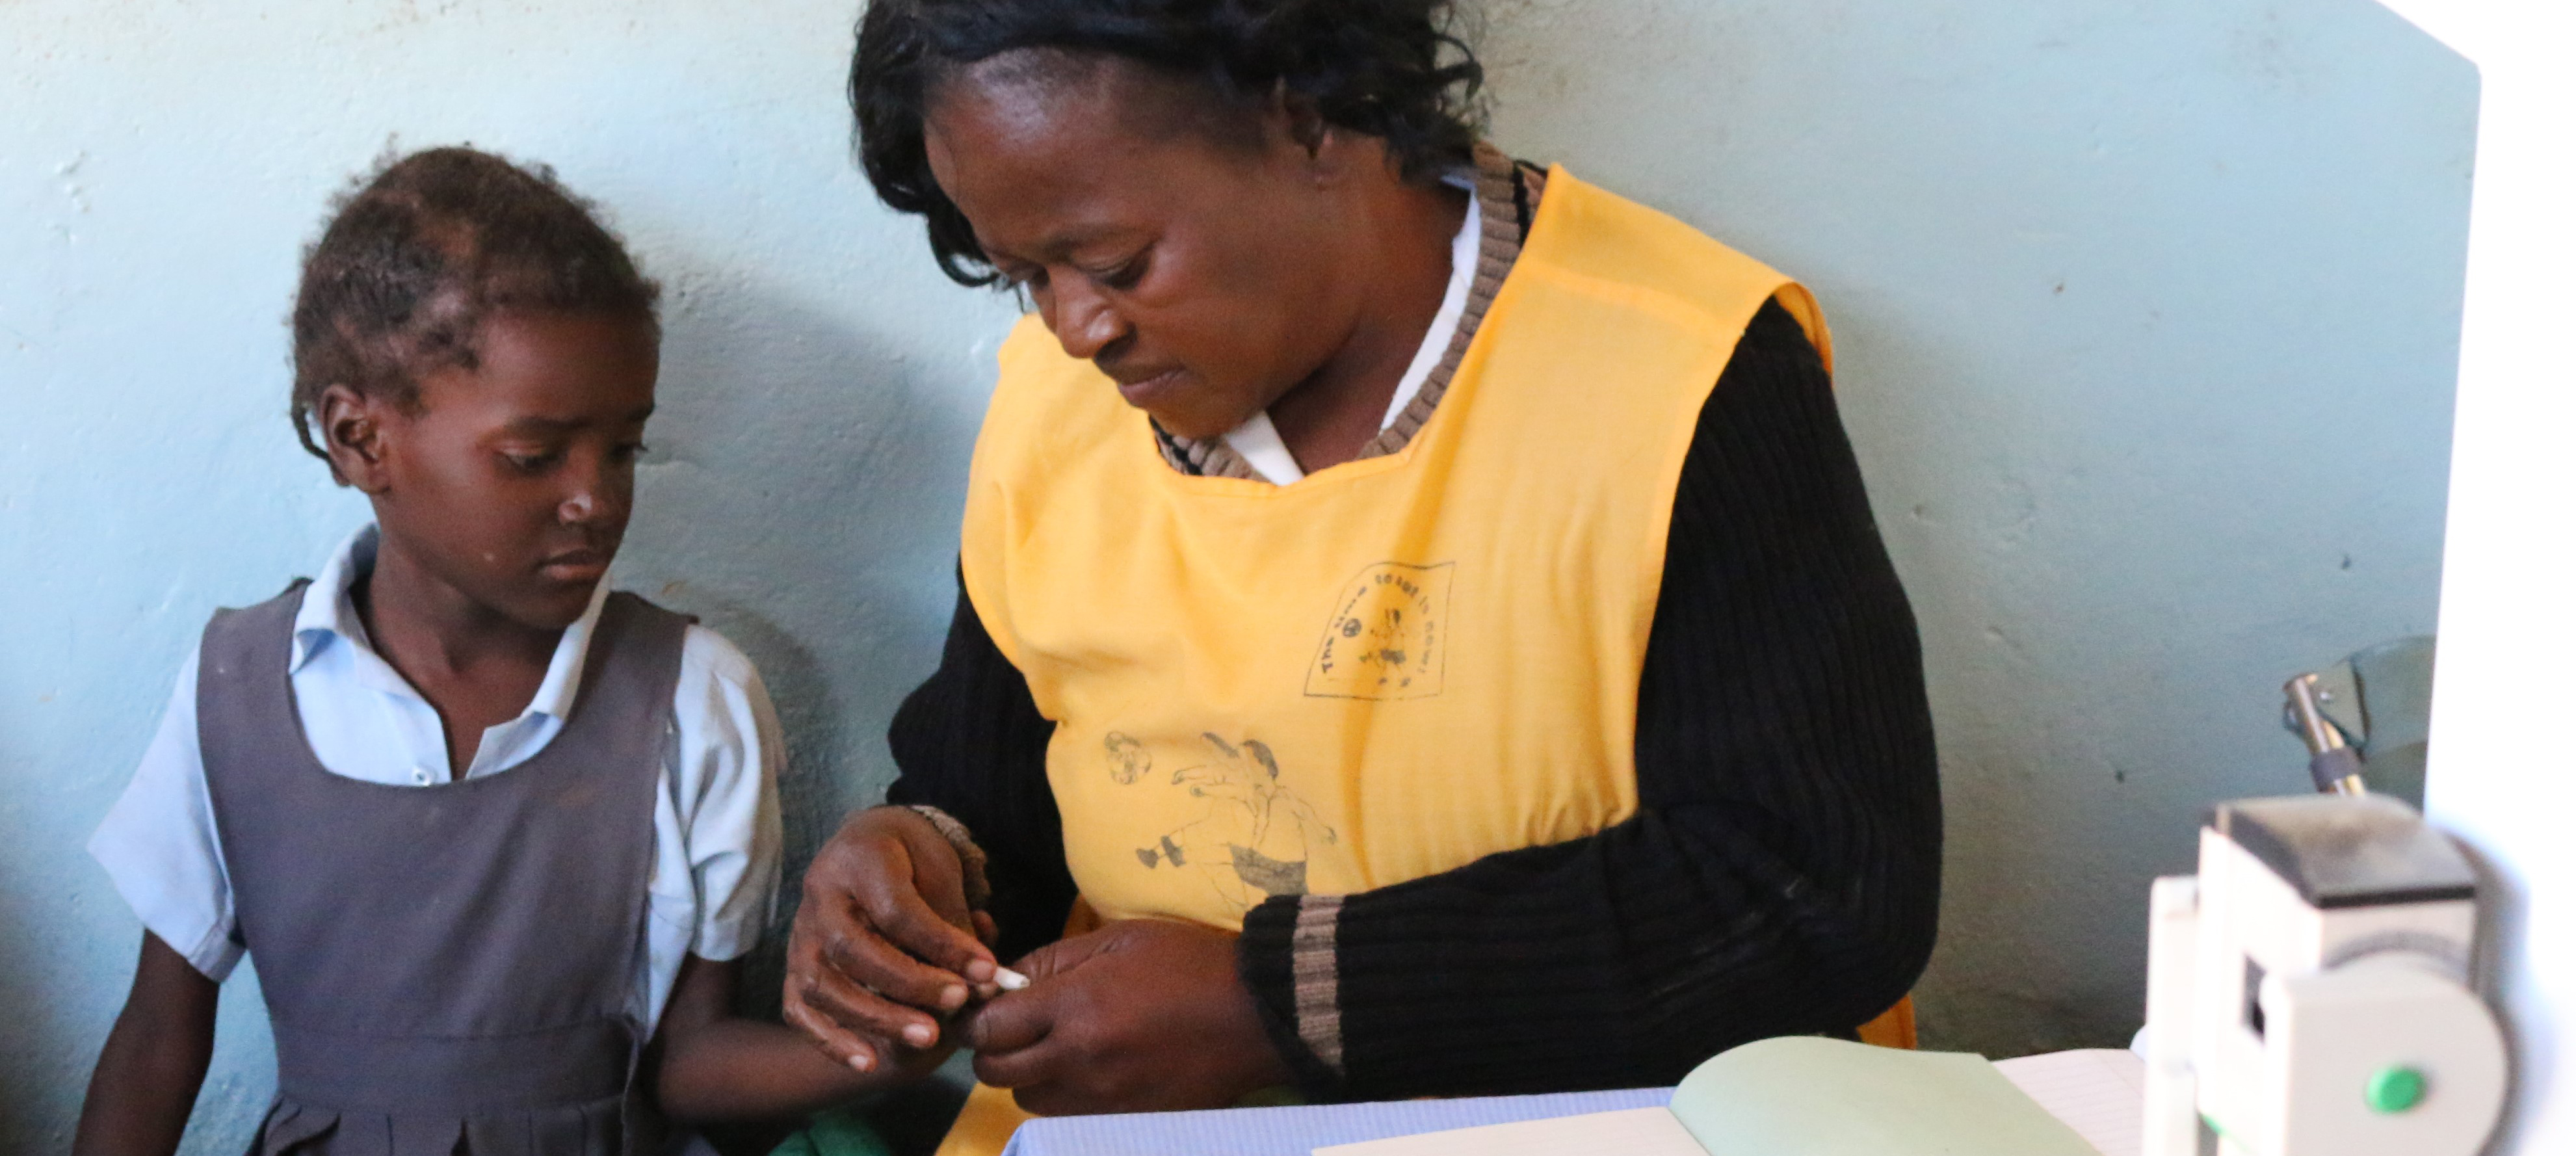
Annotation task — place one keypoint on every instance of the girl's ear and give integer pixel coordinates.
(353, 435)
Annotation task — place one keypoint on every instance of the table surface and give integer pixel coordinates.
(2096, 1092)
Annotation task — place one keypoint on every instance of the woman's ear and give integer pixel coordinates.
(1294, 123)
(1302, 120)
(353, 436)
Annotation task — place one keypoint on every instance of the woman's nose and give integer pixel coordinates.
(1083, 321)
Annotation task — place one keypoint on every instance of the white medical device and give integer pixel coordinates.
(2308, 992)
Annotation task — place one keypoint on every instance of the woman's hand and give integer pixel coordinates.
(884, 945)
(1143, 1015)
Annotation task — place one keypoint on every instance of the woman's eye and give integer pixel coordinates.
(1126, 275)
(527, 463)
(629, 452)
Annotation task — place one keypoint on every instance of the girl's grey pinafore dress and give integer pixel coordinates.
(445, 964)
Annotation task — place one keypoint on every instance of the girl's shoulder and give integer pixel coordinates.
(719, 696)
(708, 655)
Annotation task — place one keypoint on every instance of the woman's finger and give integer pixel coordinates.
(807, 995)
(1066, 954)
(845, 1047)
(896, 908)
(1037, 1056)
(865, 883)
(1053, 1098)
(1013, 1022)
(887, 971)
(832, 958)
(863, 1015)
(938, 871)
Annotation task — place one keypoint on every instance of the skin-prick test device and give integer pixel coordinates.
(2308, 992)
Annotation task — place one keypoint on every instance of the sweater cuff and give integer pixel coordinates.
(1288, 958)
(970, 858)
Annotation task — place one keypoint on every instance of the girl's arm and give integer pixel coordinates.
(719, 1066)
(155, 1058)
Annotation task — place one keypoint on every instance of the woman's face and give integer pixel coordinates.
(1196, 268)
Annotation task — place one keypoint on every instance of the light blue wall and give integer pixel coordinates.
(2146, 314)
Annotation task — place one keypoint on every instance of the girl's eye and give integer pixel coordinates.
(629, 452)
(529, 463)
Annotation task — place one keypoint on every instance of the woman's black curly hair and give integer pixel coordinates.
(420, 252)
(1391, 69)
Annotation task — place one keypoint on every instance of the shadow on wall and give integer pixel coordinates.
(801, 485)
(2147, 318)
(31, 1051)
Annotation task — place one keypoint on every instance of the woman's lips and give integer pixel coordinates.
(1143, 394)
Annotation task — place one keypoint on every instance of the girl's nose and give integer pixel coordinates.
(599, 489)
(603, 501)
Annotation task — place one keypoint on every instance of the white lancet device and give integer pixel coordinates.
(2308, 992)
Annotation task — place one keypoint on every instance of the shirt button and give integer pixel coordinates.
(420, 775)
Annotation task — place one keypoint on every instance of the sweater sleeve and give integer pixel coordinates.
(1782, 872)
(970, 742)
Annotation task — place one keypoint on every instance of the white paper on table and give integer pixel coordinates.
(2099, 1092)
(1630, 1132)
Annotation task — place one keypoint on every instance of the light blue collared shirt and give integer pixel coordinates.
(715, 819)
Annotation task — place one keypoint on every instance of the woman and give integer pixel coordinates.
(1421, 628)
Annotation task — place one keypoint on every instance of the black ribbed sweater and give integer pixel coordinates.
(1780, 876)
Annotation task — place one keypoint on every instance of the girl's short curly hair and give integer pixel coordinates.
(1392, 69)
(421, 251)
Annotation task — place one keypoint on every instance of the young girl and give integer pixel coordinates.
(493, 835)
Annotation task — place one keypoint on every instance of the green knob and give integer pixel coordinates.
(2394, 1089)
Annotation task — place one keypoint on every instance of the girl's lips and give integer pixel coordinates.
(1142, 394)
(575, 569)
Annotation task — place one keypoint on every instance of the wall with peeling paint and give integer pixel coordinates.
(2146, 315)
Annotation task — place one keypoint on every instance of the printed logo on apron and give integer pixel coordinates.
(1385, 639)
(1253, 837)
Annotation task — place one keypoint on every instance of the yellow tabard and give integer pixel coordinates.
(1395, 666)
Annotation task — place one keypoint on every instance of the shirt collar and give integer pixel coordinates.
(1257, 440)
(327, 612)
(328, 616)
